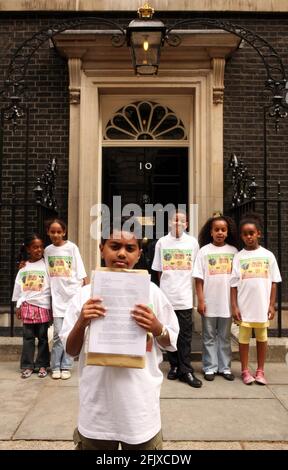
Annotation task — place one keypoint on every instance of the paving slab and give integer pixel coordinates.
(72, 382)
(36, 445)
(17, 398)
(189, 445)
(281, 392)
(276, 373)
(265, 445)
(53, 417)
(46, 410)
(224, 420)
(11, 370)
(219, 388)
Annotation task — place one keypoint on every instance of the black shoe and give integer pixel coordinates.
(173, 373)
(227, 376)
(209, 377)
(191, 380)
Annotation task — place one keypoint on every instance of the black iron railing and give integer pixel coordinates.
(32, 213)
(244, 201)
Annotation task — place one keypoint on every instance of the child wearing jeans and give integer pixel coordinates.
(212, 272)
(33, 297)
(67, 275)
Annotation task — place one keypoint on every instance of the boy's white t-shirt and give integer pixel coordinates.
(118, 403)
(32, 285)
(253, 273)
(213, 265)
(66, 271)
(174, 257)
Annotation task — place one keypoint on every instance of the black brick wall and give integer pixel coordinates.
(47, 100)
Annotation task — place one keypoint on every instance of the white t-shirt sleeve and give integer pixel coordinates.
(17, 289)
(72, 314)
(166, 315)
(157, 263)
(196, 249)
(235, 275)
(79, 265)
(275, 273)
(198, 269)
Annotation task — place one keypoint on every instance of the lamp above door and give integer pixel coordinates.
(145, 38)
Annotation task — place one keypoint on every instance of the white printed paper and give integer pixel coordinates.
(118, 332)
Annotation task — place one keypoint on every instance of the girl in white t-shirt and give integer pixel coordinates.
(32, 294)
(67, 275)
(253, 294)
(212, 271)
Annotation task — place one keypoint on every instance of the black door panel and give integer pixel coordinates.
(145, 175)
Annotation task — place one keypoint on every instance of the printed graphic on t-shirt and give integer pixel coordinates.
(254, 268)
(176, 259)
(60, 266)
(220, 263)
(32, 280)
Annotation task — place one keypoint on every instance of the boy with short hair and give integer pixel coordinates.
(174, 258)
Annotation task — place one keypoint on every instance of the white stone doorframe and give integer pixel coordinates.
(85, 169)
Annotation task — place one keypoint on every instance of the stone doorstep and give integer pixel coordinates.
(277, 347)
(10, 349)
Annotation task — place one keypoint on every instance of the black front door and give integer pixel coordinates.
(145, 175)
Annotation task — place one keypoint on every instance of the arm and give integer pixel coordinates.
(18, 313)
(22, 264)
(199, 283)
(235, 309)
(17, 291)
(157, 264)
(79, 266)
(85, 281)
(271, 311)
(145, 318)
(93, 308)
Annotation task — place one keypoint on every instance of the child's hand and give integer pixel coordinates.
(201, 308)
(18, 313)
(22, 264)
(93, 308)
(236, 314)
(145, 318)
(271, 312)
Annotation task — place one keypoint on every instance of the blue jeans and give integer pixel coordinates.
(217, 352)
(59, 359)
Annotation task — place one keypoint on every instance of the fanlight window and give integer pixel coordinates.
(145, 120)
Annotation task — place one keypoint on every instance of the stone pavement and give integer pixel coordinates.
(41, 413)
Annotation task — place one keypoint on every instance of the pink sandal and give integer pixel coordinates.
(260, 378)
(42, 372)
(247, 378)
(25, 374)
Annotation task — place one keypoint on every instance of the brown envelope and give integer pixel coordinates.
(115, 360)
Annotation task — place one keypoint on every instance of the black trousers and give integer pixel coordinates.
(31, 331)
(181, 357)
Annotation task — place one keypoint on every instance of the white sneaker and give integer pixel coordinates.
(56, 374)
(65, 374)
